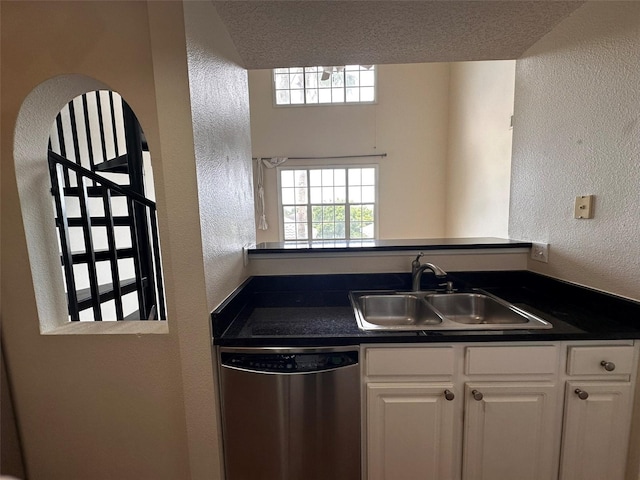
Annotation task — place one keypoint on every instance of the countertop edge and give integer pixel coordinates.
(369, 246)
(444, 338)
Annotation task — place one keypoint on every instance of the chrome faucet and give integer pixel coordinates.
(417, 269)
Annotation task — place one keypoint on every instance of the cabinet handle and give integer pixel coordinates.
(608, 366)
(449, 395)
(582, 395)
(477, 395)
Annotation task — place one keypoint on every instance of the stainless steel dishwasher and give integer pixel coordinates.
(291, 413)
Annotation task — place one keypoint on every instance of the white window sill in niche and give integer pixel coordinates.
(132, 327)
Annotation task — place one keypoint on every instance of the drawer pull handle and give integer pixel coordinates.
(608, 366)
(582, 395)
(477, 395)
(449, 395)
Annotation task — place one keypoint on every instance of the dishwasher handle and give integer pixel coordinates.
(289, 363)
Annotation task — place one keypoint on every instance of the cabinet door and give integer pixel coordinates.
(596, 430)
(510, 431)
(410, 431)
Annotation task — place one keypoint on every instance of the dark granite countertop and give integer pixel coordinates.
(304, 310)
(428, 244)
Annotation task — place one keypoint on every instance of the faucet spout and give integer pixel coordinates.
(418, 269)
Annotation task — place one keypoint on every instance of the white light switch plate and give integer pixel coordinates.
(540, 252)
(584, 207)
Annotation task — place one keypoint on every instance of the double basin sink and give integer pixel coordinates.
(430, 310)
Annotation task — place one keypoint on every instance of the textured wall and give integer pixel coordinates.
(409, 123)
(220, 124)
(479, 154)
(220, 112)
(577, 132)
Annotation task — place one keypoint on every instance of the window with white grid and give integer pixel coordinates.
(325, 85)
(336, 203)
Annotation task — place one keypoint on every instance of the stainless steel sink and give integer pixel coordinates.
(474, 310)
(397, 311)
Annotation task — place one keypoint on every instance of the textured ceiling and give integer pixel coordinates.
(272, 34)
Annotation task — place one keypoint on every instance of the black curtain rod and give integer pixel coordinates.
(327, 158)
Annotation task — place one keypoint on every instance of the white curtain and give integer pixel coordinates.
(272, 162)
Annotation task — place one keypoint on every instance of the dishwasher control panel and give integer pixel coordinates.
(289, 362)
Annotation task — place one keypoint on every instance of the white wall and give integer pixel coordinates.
(389, 262)
(219, 101)
(409, 123)
(577, 132)
(222, 136)
(479, 155)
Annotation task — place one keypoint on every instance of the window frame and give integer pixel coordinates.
(309, 205)
(321, 104)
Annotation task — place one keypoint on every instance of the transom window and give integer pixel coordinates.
(337, 203)
(325, 85)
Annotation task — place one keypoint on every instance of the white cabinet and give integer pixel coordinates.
(470, 412)
(596, 430)
(601, 361)
(509, 431)
(410, 432)
(510, 412)
(557, 411)
(412, 413)
(597, 412)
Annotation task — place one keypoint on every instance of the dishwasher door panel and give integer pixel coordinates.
(300, 426)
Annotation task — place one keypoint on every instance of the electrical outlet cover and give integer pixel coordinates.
(540, 252)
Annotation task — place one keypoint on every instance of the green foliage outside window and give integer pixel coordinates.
(329, 221)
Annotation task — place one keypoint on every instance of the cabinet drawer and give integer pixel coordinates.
(410, 361)
(527, 360)
(589, 360)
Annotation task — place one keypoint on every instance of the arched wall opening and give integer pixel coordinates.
(33, 126)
